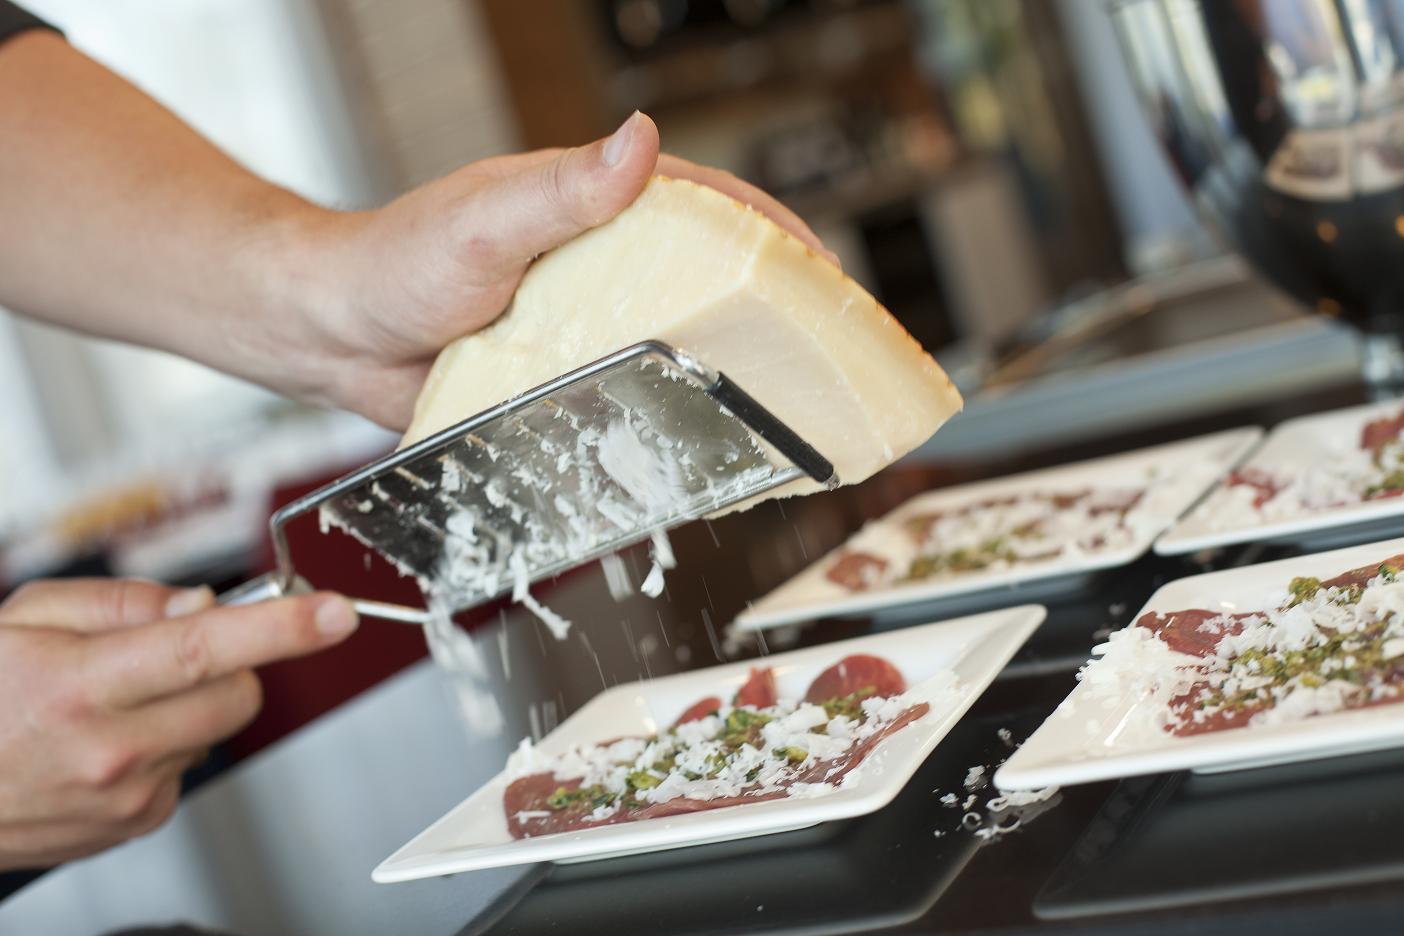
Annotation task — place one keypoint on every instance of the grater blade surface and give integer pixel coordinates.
(601, 459)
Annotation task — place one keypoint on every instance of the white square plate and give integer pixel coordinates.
(1090, 737)
(946, 664)
(1294, 446)
(1175, 475)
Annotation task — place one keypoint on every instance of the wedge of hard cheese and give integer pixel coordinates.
(692, 267)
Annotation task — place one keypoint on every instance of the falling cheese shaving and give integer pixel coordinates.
(521, 593)
(662, 553)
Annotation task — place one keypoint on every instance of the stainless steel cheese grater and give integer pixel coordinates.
(593, 461)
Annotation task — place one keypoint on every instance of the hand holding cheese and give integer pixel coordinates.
(444, 260)
(691, 266)
(183, 249)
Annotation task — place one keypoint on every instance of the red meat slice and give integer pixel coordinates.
(699, 710)
(919, 527)
(1379, 433)
(1184, 706)
(529, 794)
(855, 674)
(1363, 574)
(759, 690)
(1263, 483)
(1190, 631)
(856, 571)
(1116, 502)
(833, 770)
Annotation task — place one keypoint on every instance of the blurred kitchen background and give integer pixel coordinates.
(980, 165)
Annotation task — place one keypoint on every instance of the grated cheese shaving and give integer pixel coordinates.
(1307, 655)
(692, 760)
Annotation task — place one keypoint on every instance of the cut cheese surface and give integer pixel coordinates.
(690, 266)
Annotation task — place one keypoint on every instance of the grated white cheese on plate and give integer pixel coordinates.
(1035, 526)
(692, 760)
(1309, 654)
(1334, 472)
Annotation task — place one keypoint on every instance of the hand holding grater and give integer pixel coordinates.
(601, 458)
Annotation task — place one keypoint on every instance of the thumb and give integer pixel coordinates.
(545, 205)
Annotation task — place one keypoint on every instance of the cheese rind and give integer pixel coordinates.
(690, 266)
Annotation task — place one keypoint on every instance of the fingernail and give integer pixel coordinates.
(189, 600)
(335, 617)
(618, 141)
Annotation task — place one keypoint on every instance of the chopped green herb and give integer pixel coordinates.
(593, 796)
(795, 755)
(849, 706)
(643, 780)
(1302, 589)
(1389, 484)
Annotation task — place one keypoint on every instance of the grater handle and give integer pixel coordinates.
(269, 586)
(764, 424)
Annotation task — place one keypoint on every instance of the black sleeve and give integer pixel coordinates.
(15, 20)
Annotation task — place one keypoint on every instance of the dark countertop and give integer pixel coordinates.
(1279, 850)
(1301, 848)
(284, 842)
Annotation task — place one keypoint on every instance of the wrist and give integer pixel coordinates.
(295, 259)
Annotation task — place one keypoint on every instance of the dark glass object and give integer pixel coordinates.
(1285, 120)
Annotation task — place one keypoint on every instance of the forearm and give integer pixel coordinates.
(117, 219)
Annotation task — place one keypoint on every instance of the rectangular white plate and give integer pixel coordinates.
(947, 664)
(1184, 471)
(1294, 445)
(1088, 739)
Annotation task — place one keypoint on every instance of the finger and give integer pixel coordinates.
(133, 808)
(747, 194)
(45, 844)
(95, 605)
(196, 719)
(679, 168)
(140, 664)
(509, 164)
(550, 202)
(113, 803)
(162, 807)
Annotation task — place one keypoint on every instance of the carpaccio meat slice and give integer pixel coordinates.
(699, 710)
(528, 795)
(919, 526)
(1185, 725)
(1266, 486)
(856, 571)
(1191, 632)
(525, 800)
(854, 674)
(759, 690)
(1363, 574)
(1118, 502)
(1378, 433)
